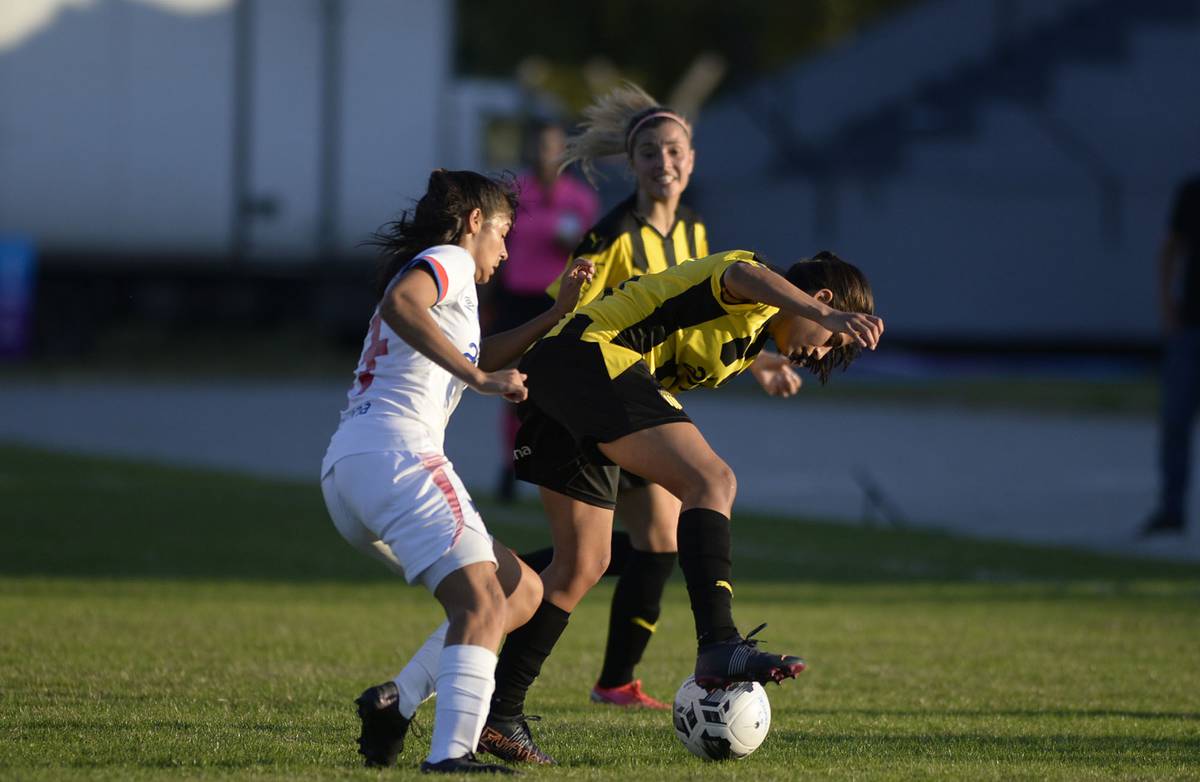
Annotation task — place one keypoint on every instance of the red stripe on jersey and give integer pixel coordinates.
(443, 281)
(433, 463)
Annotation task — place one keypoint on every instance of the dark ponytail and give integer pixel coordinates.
(439, 217)
(851, 293)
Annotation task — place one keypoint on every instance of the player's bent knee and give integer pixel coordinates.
(720, 487)
(523, 602)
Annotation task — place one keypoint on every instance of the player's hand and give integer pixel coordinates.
(775, 374)
(863, 330)
(508, 383)
(574, 277)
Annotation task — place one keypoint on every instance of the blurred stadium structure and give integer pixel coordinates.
(1003, 167)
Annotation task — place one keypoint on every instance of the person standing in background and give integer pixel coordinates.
(1179, 300)
(554, 212)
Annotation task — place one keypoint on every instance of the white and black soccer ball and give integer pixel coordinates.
(722, 724)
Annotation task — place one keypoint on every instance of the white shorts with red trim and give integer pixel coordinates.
(414, 505)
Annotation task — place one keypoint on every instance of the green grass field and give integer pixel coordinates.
(168, 624)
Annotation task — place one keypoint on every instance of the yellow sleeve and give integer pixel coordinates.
(614, 265)
(722, 262)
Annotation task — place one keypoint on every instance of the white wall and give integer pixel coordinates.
(116, 131)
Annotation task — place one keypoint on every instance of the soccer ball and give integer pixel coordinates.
(724, 723)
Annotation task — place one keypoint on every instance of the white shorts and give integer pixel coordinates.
(410, 510)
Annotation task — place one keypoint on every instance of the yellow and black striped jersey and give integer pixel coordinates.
(623, 245)
(678, 321)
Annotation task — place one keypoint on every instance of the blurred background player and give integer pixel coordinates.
(602, 386)
(648, 232)
(553, 213)
(389, 488)
(1179, 301)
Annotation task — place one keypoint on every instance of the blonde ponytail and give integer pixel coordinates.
(607, 124)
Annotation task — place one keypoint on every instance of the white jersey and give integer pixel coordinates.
(401, 400)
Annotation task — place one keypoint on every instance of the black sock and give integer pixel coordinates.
(619, 559)
(620, 550)
(636, 606)
(521, 658)
(538, 560)
(705, 559)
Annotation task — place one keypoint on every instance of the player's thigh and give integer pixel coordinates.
(650, 514)
(580, 532)
(582, 536)
(678, 458)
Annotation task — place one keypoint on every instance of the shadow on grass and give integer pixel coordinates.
(1108, 750)
(1187, 716)
(74, 516)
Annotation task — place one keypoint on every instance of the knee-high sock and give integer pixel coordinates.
(705, 559)
(417, 681)
(465, 682)
(521, 658)
(636, 606)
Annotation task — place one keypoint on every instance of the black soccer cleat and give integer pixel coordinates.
(738, 660)
(467, 764)
(383, 726)
(511, 740)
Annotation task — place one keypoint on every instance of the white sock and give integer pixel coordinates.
(416, 681)
(465, 682)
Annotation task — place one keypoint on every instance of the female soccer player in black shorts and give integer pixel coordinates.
(602, 388)
(648, 232)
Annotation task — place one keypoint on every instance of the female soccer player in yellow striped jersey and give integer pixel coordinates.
(648, 232)
(602, 388)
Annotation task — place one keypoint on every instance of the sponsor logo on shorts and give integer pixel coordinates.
(670, 399)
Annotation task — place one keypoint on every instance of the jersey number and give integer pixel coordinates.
(377, 347)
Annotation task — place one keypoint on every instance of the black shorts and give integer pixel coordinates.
(573, 405)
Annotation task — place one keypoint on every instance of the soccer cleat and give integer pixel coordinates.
(628, 695)
(467, 764)
(511, 740)
(383, 726)
(738, 660)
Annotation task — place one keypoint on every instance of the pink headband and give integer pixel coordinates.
(665, 114)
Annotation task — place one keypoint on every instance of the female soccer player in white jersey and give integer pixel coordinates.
(388, 486)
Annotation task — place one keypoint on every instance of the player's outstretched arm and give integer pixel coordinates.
(748, 282)
(502, 349)
(405, 308)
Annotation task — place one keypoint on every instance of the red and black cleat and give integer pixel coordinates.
(739, 660)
